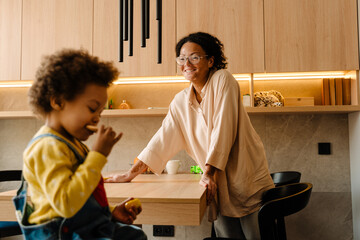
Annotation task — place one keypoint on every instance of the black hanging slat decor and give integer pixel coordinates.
(159, 18)
(147, 18)
(159, 41)
(158, 9)
(131, 29)
(121, 22)
(143, 24)
(126, 26)
(126, 20)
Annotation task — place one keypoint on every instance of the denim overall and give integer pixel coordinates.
(91, 222)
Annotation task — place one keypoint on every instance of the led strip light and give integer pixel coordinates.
(181, 79)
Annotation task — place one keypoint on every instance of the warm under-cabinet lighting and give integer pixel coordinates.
(239, 77)
(167, 79)
(300, 75)
(15, 84)
(142, 80)
(242, 77)
(181, 79)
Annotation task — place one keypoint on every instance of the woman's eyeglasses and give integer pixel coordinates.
(193, 59)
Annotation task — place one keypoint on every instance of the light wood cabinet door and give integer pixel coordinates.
(50, 25)
(238, 24)
(310, 35)
(10, 39)
(144, 60)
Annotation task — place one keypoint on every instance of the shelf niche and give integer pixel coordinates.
(157, 96)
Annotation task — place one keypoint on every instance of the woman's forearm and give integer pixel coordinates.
(137, 168)
(209, 170)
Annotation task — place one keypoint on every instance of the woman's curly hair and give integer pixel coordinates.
(211, 45)
(65, 74)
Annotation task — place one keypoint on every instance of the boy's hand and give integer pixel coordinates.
(134, 205)
(106, 139)
(124, 215)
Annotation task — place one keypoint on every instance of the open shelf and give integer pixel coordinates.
(163, 111)
(16, 114)
(304, 110)
(135, 112)
(106, 113)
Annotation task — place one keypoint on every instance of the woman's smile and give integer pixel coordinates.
(189, 72)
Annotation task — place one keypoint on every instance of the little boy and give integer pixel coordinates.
(63, 175)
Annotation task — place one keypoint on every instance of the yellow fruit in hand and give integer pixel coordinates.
(133, 203)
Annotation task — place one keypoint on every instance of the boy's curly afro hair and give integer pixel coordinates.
(65, 74)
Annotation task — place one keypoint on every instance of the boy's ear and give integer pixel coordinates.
(56, 103)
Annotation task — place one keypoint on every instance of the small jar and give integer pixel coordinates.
(246, 100)
(124, 105)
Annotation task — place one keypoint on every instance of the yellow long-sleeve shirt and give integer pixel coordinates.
(58, 185)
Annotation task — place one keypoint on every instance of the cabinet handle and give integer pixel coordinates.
(121, 22)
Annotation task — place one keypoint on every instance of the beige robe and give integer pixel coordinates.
(218, 132)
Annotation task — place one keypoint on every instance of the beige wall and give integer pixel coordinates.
(354, 137)
(290, 142)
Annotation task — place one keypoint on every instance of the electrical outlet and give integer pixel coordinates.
(163, 230)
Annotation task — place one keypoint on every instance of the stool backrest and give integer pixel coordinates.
(10, 175)
(279, 202)
(8, 229)
(286, 177)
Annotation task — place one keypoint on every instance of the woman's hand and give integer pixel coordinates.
(123, 215)
(137, 168)
(208, 181)
(118, 178)
(106, 139)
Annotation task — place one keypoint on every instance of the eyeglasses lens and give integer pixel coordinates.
(193, 59)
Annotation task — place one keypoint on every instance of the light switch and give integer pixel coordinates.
(324, 148)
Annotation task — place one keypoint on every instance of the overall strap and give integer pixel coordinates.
(23, 185)
(77, 154)
(24, 209)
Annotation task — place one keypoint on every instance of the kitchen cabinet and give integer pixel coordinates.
(50, 25)
(10, 39)
(310, 35)
(144, 60)
(237, 24)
